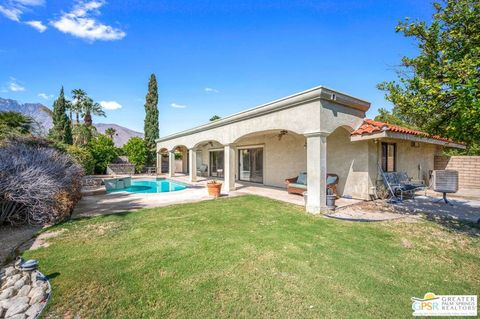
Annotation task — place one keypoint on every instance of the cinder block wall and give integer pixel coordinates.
(468, 168)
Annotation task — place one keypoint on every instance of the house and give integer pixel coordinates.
(319, 131)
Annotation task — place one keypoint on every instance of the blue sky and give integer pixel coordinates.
(210, 57)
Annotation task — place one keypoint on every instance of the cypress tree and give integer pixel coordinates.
(151, 118)
(61, 130)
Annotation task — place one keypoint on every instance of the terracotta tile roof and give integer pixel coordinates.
(370, 126)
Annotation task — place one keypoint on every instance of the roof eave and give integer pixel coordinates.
(406, 137)
(316, 93)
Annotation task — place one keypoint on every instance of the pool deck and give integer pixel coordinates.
(117, 202)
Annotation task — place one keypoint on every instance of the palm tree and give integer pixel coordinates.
(79, 98)
(82, 134)
(110, 132)
(15, 122)
(89, 108)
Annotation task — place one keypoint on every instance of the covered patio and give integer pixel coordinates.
(267, 144)
(243, 188)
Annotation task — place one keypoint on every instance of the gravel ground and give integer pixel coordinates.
(369, 211)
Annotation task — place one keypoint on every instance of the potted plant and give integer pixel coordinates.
(214, 188)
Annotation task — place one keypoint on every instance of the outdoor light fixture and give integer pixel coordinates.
(282, 133)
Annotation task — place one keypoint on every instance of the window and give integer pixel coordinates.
(389, 152)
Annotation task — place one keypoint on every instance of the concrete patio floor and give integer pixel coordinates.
(462, 208)
(120, 202)
(466, 203)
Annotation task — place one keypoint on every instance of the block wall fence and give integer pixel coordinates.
(468, 168)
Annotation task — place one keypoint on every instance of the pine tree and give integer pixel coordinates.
(151, 118)
(61, 130)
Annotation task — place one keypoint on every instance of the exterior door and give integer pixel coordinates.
(251, 164)
(216, 163)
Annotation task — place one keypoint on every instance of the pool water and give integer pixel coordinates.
(151, 186)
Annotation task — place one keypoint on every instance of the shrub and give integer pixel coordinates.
(103, 151)
(39, 184)
(83, 156)
(137, 152)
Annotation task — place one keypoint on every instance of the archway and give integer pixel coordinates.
(162, 160)
(270, 156)
(209, 158)
(180, 161)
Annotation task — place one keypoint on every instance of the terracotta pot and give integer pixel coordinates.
(214, 189)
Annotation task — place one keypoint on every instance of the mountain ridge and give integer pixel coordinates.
(42, 115)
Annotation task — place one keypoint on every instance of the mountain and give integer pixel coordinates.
(43, 118)
(39, 112)
(122, 134)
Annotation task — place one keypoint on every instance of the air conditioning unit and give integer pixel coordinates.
(445, 181)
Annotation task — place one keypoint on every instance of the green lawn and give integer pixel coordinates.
(251, 257)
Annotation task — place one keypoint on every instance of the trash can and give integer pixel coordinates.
(331, 199)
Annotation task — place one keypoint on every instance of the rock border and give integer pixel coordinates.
(23, 294)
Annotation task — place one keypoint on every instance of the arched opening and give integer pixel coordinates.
(181, 159)
(163, 160)
(269, 157)
(349, 160)
(209, 157)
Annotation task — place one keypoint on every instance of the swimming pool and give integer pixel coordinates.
(150, 186)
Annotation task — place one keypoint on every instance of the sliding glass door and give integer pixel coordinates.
(251, 164)
(216, 163)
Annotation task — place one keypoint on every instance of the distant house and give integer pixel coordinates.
(318, 131)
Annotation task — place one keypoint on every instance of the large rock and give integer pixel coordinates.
(20, 283)
(7, 293)
(11, 281)
(19, 316)
(10, 271)
(34, 310)
(19, 305)
(9, 302)
(24, 290)
(37, 295)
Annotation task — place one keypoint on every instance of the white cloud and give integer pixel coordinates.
(110, 105)
(37, 25)
(81, 23)
(45, 96)
(211, 90)
(30, 2)
(11, 13)
(178, 106)
(14, 86)
(13, 9)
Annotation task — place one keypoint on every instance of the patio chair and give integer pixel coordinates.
(399, 184)
(202, 170)
(298, 184)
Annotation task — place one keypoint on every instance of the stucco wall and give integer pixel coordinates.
(282, 158)
(300, 119)
(350, 161)
(416, 161)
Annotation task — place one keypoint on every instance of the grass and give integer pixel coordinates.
(250, 257)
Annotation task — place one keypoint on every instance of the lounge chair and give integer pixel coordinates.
(399, 184)
(298, 185)
(202, 170)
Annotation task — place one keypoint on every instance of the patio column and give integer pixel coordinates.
(192, 164)
(229, 168)
(316, 172)
(171, 163)
(159, 163)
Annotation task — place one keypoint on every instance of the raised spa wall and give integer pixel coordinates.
(117, 183)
